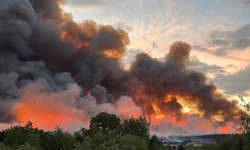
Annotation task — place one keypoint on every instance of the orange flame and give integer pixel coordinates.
(158, 114)
(112, 54)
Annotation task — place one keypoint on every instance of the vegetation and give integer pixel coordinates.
(106, 132)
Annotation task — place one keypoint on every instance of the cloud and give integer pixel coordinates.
(197, 65)
(230, 40)
(87, 3)
(130, 56)
(244, 1)
(222, 52)
(226, 43)
(235, 84)
(247, 2)
(219, 52)
(123, 25)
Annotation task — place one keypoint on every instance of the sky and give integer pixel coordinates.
(39, 43)
(217, 30)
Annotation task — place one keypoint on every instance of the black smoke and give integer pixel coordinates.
(39, 40)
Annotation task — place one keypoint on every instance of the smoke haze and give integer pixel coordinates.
(54, 71)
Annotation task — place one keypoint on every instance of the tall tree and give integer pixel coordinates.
(105, 121)
(138, 127)
(245, 117)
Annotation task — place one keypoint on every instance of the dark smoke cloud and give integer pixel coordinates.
(39, 40)
(160, 79)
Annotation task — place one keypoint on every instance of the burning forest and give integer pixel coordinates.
(54, 71)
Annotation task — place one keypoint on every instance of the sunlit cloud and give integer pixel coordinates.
(87, 3)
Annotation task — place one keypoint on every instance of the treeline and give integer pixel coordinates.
(232, 142)
(106, 132)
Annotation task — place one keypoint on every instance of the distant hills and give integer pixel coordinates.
(194, 139)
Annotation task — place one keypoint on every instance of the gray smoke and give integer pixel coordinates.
(38, 40)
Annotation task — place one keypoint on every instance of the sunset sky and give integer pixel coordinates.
(218, 30)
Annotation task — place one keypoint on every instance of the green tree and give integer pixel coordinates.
(27, 146)
(111, 141)
(138, 127)
(59, 140)
(4, 147)
(168, 147)
(132, 142)
(81, 134)
(86, 145)
(155, 143)
(105, 121)
(35, 139)
(98, 139)
(15, 136)
(2, 135)
(101, 141)
(233, 142)
(34, 136)
(28, 126)
(180, 147)
(245, 117)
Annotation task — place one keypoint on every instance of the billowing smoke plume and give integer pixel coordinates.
(52, 68)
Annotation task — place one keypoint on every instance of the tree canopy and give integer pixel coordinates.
(105, 121)
(106, 132)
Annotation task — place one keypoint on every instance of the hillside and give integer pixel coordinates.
(197, 139)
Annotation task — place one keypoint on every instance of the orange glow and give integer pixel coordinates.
(46, 112)
(74, 39)
(218, 118)
(190, 124)
(82, 45)
(65, 36)
(167, 120)
(191, 118)
(158, 113)
(126, 106)
(168, 97)
(189, 108)
(227, 129)
(112, 54)
(88, 92)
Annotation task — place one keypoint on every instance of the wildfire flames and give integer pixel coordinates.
(54, 71)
